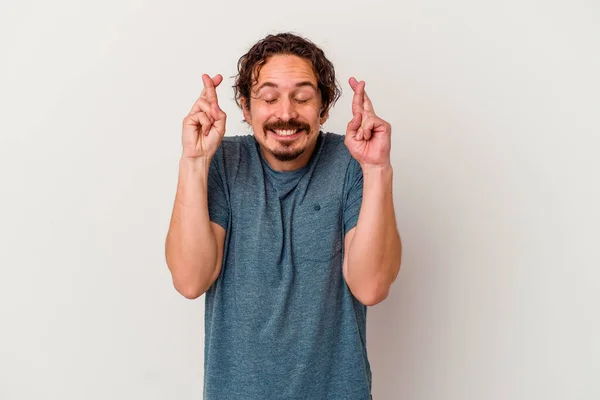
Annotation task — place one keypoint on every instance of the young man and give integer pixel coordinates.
(290, 231)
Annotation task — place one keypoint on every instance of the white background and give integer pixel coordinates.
(495, 115)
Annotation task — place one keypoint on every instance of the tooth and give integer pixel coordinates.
(284, 132)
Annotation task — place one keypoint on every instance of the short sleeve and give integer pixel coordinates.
(354, 193)
(218, 205)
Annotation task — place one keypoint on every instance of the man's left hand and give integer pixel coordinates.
(368, 137)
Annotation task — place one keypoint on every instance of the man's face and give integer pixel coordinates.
(284, 112)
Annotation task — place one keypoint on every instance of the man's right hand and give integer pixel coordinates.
(204, 126)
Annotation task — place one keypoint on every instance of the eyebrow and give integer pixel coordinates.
(299, 84)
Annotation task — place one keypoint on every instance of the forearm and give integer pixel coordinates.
(375, 251)
(191, 248)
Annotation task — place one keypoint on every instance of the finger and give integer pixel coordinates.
(191, 123)
(217, 79)
(354, 125)
(366, 127)
(368, 106)
(197, 120)
(216, 110)
(369, 125)
(205, 123)
(220, 123)
(210, 93)
(359, 98)
(201, 105)
(367, 133)
(192, 127)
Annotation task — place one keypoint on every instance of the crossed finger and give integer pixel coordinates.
(210, 85)
(208, 97)
(203, 106)
(361, 100)
(205, 123)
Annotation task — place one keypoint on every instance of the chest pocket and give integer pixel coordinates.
(317, 231)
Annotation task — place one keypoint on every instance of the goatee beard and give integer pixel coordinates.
(292, 124)
(287, 156)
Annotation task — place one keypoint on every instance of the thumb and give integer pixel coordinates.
(354, 124)
(220, 122)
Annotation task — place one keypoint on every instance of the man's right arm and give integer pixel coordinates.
(194, 244)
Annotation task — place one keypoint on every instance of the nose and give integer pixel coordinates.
(286, 110)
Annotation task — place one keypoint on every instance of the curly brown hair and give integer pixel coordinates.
(250, 64)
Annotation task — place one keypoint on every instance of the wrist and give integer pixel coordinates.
(194, 165)
(195, 162)
(377, 176)
(385, 168)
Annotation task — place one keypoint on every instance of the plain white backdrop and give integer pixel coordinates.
(495, 112)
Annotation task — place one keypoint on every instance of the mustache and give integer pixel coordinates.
(287, 125)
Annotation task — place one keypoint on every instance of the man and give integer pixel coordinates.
(290, 231)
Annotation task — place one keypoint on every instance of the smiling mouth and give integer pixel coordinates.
(285, 132)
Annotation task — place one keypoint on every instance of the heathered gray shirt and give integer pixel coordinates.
(280, 321)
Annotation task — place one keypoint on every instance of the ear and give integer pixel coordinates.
(324, 117)
(246, 111)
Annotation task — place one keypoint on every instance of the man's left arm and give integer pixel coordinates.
(373, 249)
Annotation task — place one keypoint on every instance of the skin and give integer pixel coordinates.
(194, 244)
(286, 96)
(373, 248)
(204, 126)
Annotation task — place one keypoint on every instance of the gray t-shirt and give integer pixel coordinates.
(280, 321)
